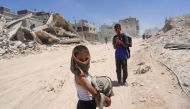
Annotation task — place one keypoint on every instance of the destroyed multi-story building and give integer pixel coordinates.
(86, 30)
(150, 32)
(32, 22)
(106, 32)
(44, 16)
(130, 26)
(7, 14)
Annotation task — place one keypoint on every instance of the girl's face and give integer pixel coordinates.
(84, 56)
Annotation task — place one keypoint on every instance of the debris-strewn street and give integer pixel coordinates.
(36, 48)
(45, 81)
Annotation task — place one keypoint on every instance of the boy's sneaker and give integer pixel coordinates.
(125, 84)
(119, 83)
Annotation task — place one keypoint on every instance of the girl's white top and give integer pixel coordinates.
(82, 93)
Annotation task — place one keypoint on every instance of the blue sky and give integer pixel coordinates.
(150, 13)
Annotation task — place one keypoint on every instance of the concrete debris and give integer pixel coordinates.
(136, 84)
(140, 62)
(53, 85)
(185, 84)
(15, 36)
(177, 46)
(9, 24)
(142, 99)
(2, 51)
(99, 60)
(174, 35)
(143, 69)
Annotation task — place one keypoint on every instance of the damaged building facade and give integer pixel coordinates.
(86, 30)
(31, 22)
(150, 32)
(106, 33)
(7, 14)
(130, 26)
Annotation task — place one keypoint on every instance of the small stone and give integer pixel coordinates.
(140, 62)
(22, 52)
(143, 69)
(17, 43)
(185, 84)
(31, 44)
(142, 99)
(2, 51)
(22, 46)
(50, 88)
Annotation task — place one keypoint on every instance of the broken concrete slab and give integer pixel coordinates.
(13, 30)
(9, 24)
(46, 38)
(69, 41)
(177, 46)
(20, 36)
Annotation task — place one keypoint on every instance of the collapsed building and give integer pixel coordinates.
(28, 29)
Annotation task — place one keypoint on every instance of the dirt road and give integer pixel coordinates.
(44, 81)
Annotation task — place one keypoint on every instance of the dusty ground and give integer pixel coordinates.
(44, 81)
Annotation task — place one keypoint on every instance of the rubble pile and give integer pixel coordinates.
(176, 30)
(15, 38)
(171, 46)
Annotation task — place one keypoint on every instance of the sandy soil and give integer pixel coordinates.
(44, 81)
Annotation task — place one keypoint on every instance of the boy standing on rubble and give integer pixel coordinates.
(121, 54)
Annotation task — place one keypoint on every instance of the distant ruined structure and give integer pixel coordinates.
(86, 30)
(150, 33)
(7, 14)
(37, 19)
(106, 32)
(130, 26)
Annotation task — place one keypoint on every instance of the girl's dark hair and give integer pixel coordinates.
(79, 49)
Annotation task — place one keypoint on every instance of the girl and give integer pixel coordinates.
(87, 94)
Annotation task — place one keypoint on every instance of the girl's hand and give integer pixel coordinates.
(107, 101)
(97, 97)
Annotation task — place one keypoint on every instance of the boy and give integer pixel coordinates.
(121, 54)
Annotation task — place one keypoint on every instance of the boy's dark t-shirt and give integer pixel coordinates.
(121, 52)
